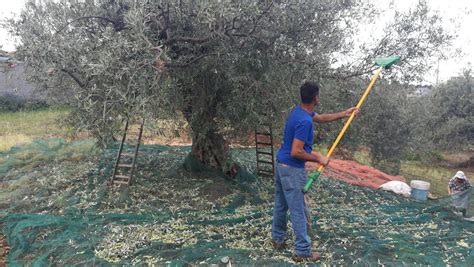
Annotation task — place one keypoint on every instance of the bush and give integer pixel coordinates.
(12, 103)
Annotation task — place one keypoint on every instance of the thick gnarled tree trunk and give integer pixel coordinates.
(209, 146)
(210, 149)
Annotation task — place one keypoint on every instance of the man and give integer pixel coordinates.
(290, 175)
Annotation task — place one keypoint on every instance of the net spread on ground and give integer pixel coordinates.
(58, 209)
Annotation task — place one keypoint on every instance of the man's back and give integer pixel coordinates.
(299, 125)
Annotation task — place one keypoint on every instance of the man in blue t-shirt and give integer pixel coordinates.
(290, 175)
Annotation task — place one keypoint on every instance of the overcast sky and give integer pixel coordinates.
(457, 14)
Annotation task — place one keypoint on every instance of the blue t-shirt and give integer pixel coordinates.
(300, 126)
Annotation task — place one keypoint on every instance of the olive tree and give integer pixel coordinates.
(450, 112)
(224, 66)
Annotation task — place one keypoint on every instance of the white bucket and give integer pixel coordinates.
(419, 190)
(418, 184)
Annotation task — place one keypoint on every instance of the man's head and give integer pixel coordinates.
(309, 93)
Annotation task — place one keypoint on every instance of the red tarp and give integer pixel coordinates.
(355, 174)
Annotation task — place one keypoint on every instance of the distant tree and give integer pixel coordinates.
(386, 126)
(451, 113)
(225, 66)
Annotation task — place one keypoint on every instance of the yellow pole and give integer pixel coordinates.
(315, 174)
(348, 122)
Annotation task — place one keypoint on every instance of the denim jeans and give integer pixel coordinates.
(289, 183)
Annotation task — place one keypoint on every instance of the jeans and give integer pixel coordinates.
(289, 183)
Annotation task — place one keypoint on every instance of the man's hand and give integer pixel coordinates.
(325, 161)
(349, 112)
(311, 166)
(320, 158)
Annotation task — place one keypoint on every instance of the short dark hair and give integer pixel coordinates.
(308, 91)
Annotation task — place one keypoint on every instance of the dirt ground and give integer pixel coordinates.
(461, 161)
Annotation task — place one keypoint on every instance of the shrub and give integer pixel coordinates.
(12, 103)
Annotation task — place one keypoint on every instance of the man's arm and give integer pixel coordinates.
(297, 151)
(334, 116)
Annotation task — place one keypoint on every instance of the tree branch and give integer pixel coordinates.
(74, 77)
(347, 76)
(265, 11)
(193, 40)
(83, 18)
(183, 65)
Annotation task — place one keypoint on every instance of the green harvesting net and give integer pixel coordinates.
(57, 209)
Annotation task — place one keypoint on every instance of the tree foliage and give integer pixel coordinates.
(386, 130)
(450, 109)
(225, 66)
(397, 124)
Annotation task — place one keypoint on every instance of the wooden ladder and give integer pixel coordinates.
(126, 161)
(264, 151)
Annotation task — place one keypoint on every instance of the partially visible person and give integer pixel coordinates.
(458, 184)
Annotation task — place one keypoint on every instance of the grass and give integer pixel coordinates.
(437, 176)
(17, 128)
(23, 127)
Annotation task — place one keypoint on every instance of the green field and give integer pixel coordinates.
(25, 126)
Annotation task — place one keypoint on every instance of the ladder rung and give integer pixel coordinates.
(265, 161)
(128, 154)
(120, 182)
(122, 176)
(262, 143)
(262, 133)
(125, 165)
(265, 153)
(265, 172)
(130, 143)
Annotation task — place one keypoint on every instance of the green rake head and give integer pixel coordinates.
(387, 62)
